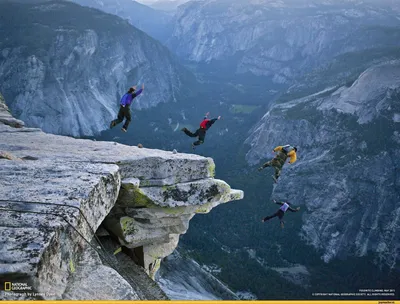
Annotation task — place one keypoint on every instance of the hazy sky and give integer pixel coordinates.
(152, 1)
(393, 3)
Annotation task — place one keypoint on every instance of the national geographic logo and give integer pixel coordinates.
(10, 286)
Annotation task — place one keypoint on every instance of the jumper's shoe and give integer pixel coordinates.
(282, 224)
(123, 130)
(112, 124)
(274, 178)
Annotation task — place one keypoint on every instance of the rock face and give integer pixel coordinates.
(279, 39)
(6, 117)
(348, 159)
(56, 191)
(177, 280)
(88, 281)
(146, 217)
(70, 81)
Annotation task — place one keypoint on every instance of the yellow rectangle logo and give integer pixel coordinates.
(7, 286)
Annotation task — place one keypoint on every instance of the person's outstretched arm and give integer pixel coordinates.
(137, 93)
(278, 203)
(211, 121)
(263, 166)
(278, 148)
(294, 210)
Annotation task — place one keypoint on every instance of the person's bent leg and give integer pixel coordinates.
(277, 172)
(277, 166)
(128, 118)
(280, 214)
(271, 216)
(120, 117)
(202, 135)
(188, 133)
(267, 164)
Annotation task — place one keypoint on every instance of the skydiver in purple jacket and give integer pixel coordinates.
(124, 109)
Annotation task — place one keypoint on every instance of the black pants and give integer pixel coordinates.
(201, 133)
(278, 213)
(124, 112)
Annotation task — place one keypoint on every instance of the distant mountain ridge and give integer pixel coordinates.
(279, 40)
(153, 22)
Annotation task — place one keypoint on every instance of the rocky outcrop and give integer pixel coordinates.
(152, 215)
(56, 192)
(70, 81)
(6, 117)
(348, 161)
